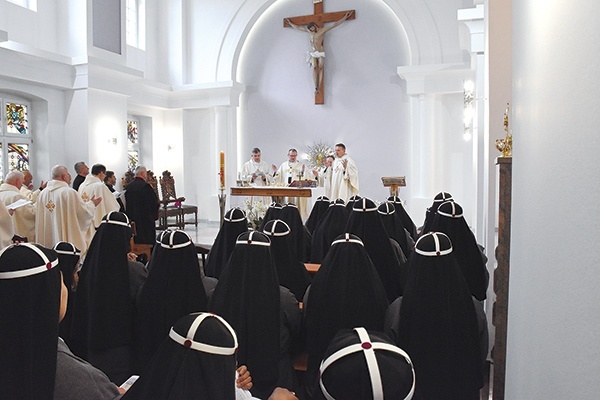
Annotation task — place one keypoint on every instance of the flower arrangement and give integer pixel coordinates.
(255, 212)
(317, 154)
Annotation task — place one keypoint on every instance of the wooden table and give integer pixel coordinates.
(275, 191)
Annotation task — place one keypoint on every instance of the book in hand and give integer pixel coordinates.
(129, 382)
(18, 203)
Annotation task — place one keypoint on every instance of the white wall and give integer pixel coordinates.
(553, 349)
(364, 102)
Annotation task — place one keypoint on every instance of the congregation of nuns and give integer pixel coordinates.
(355, 303)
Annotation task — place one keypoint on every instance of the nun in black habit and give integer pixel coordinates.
(365, 223)
(394, 227)
(272, 213)
(300, 235)
(437, 324)
(265, 316)
(291, 272)
(316, 214)
(234, 224)
(173, 289)
(439, 198)
(346, 292)
(35, 363)
(68, 258)
(351, 201)
(470, 258)
(105, 305)
(407, 221)
(30, 290)
(333, 224)
(366, 365)
(196, 360)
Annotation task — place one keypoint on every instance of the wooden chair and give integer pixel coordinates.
(167, 188)
(139, 248)
(127, 178)
(165, 211)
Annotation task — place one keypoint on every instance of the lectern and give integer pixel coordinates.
(393, 182)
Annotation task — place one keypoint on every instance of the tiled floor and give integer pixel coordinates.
(205, 233)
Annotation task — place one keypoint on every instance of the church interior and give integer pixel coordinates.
(419, 88)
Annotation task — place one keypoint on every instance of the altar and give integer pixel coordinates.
(273, 191)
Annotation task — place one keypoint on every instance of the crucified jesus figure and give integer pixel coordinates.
(316, 55)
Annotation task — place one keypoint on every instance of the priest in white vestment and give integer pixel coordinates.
(61, 215)
(27, 188)
(6, 227)
(344, 178)
(23, 216)
(93, 186)
(324, 174)
(257, 173)
(288, 172)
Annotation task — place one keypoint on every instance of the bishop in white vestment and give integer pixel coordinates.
(61, 214)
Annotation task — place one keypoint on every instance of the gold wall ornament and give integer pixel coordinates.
(505, 145)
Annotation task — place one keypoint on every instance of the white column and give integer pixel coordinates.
(553, 322)
(427, 143)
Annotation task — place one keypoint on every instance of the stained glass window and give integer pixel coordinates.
(15, 135)
(133, 142)
(18, 156)
(16, 119)
(132, 132)
(133, 158)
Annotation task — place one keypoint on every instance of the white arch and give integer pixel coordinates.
(423, 38)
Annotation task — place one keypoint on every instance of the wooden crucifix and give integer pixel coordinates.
(314, 25)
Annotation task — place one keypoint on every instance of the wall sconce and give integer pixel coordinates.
(469, 111)
(112, 141)
(170, 147)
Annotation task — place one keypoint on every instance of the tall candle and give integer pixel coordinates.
(222, 170)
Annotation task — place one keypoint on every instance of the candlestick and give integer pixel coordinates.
(222, 170)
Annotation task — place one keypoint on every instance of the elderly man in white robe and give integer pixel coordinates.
(93, 186)
(27, 188)
(23, 216)
(61, 214)
(344, 178)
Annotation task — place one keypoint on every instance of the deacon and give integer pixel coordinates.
(24, 216)
(344, 178)
(93, 186)
(61, 215)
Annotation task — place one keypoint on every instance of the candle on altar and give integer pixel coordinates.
(222, 170)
